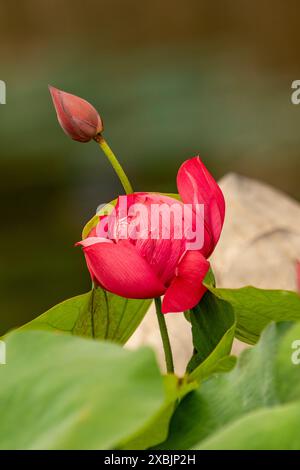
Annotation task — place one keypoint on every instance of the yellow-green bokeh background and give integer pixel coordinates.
(171, 79)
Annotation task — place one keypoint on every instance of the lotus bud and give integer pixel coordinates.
(77, 117)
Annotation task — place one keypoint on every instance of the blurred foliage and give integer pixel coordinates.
(255, 406)
(170, 80)
(81, 394)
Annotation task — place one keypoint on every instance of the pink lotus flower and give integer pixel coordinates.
(143, 262)
(78, 118)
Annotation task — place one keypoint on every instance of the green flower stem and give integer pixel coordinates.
(115, 164)
(129, 190)
(164, 336)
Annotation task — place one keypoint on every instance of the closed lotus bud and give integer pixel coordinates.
(78, 118)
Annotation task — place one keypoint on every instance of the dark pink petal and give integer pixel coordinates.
(77, 117)
(197, 186)
(187, 287)
(153, 239)
(92, 240)
(120, 269)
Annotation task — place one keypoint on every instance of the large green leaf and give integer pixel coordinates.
(97, 314)
(256, 308)
(213, 328)
(263, 383)
(156, 431)
(64, 392)
(267, 429)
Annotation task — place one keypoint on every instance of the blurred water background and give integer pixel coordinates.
(171, 79)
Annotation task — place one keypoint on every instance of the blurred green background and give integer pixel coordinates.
(171, 79)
